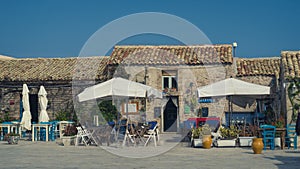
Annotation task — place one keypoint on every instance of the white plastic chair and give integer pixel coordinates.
(151, 134)
(85, 136)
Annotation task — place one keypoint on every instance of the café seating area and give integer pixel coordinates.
(43, 131)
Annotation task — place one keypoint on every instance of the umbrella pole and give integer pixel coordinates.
(229, 109)
(127, 108)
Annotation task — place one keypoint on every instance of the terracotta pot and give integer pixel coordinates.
(257, 145)
(206, 141)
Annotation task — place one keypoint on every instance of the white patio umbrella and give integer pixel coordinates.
(26, 118)
(233, 87)
(118, 87)
(43, 117)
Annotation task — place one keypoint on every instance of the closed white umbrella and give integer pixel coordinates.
(26, 118)
(43, 104)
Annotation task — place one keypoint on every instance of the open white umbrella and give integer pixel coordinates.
(233, 87)
(118, 87)
(43, 104)
(26, 118)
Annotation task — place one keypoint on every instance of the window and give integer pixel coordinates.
(169, 79)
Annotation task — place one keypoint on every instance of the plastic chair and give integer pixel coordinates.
(151, 134)
(268, 135)
(291, 135)
(152, 125)
(85, 136)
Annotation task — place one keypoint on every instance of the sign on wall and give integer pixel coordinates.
(132, 108)
(157, 112)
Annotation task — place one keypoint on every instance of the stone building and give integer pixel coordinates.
(179, 70)
(57, 75)
(175, 70)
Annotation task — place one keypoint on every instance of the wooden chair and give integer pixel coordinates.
(291, 136)
(268, 135)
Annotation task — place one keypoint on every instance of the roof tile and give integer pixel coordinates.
(46, 69)
(171, 55)
(291, 62)
(258, 66)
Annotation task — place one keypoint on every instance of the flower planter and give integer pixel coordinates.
(68, 140)
(226, 143)
(13, 139)
(277, 142)
(196, 142)
(245, 141)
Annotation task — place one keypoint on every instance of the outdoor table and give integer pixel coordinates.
(14, 127)
(281, 131)
(140, 131)
(38, 127)
(5, 126)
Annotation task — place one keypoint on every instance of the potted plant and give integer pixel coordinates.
(246, 135)
(12, 138)
(69, 135)
(196, 138)
(201, 136)
(228, 136)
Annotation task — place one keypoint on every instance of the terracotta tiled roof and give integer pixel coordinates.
(53, 69)
(291, 63)
(258, 66)
(171, 55)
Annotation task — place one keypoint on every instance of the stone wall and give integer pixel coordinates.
(190, 78)
(59, 99)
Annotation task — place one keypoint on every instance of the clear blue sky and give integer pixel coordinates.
(58, 28)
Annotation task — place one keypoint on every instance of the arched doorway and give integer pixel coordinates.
(170, 116)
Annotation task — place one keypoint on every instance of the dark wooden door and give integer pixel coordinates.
(34, 107)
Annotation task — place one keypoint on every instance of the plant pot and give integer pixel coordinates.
(68, 140)
(13, 139)
(196, 142)
(245, 141)
(206, 141)
(227, 142)
(257, 145)
(277, 142)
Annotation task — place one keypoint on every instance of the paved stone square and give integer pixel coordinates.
(30, 155)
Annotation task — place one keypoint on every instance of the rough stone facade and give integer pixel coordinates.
(193, 66)
(189, 78)
(60, 99)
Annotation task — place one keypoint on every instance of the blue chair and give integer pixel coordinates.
(268, 134)
(152, 124)
(291, 135)
(54, 130)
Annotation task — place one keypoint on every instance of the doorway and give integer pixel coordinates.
(34, 107)
(170, 115)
